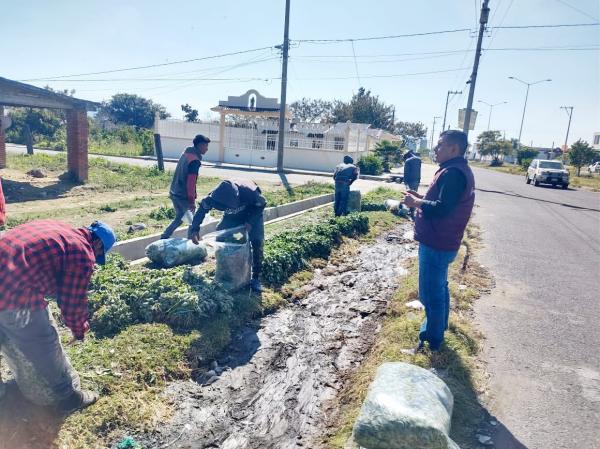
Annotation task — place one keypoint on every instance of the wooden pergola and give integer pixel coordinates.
(16, 94)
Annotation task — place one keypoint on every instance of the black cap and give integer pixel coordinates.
(348, 160)
(200, 139)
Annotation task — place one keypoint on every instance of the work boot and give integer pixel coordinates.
(77, 401)
(255, 286)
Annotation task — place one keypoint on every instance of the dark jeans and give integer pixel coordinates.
(256, 235)
(434, 294)
(181, 207)
(30, 339)
(342, 192)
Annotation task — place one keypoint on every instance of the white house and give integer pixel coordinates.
(253, 142)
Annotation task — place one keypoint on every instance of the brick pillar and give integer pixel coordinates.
(77, 143)
(2, 141)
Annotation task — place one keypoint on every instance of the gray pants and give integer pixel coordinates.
(30, 343)
(256, 236)
(181, 207)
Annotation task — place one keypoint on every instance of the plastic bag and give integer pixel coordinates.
(170, 252)
(396, 207)
(406, 407)
(233, 257)
(354, 201)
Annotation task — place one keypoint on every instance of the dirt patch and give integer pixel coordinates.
(281, 373)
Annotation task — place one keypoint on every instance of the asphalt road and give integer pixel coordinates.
(542, 320)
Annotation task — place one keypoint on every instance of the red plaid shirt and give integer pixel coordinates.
(47, 258)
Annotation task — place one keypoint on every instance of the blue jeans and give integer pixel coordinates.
(342, 192)
(434, 294)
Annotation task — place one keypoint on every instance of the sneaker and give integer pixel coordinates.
(78, 401)
(255, 286)
(414, 351)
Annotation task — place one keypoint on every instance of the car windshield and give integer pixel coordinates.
(551, 164)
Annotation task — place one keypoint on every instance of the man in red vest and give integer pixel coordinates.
(441, 219)
(183, 186)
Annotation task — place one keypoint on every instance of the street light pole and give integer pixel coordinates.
(450, 92)
(491, 108)
(526, 96)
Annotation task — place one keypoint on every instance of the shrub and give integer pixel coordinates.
(290, 251)
(370, 165)
(162, 213)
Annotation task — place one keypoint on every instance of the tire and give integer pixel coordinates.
(527, 180)
(536, 182)
(565, 186)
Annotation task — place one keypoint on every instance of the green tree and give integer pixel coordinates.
(526, 153)
(389, 152)
(42, 123)
(191, 115)
(410, 130)
(365, 108)
(312, 110)
(580, 154)
(129, 109)
(489, 143)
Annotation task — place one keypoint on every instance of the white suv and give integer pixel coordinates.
(543, 171)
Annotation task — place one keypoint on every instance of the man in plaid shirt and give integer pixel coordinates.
(40, 259)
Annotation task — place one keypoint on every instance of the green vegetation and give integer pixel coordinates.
(370, 165)
(290, 252)
(389, 153)
(581, 154)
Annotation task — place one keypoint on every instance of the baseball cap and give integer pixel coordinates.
(106, 235)
(200, 139)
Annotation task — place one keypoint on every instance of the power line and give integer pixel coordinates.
(153, 65)
(384, 76)
(431, 33)
(568, 5)
(395, 36)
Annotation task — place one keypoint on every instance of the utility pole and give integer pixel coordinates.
(285, 48)
(433, 131)
(450, 92)
(485, 13)
(569, 111)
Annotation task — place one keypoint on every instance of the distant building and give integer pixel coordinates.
(596, 141)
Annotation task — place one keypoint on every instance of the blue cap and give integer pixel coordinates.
(106, 235)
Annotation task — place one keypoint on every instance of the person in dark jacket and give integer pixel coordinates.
(441, 219)
(412, 173)
(183, 186)
(242, 204)
(344, 175)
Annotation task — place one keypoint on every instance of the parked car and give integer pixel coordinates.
(542, 171)
(594, 168)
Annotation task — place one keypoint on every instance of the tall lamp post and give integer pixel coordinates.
(526, 95)
(433, 132)
(491, 108)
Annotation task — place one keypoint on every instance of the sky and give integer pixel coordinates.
(45, 40)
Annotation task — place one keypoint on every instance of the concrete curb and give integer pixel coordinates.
(134, 249)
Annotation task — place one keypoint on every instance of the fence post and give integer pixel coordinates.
(159, 153)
